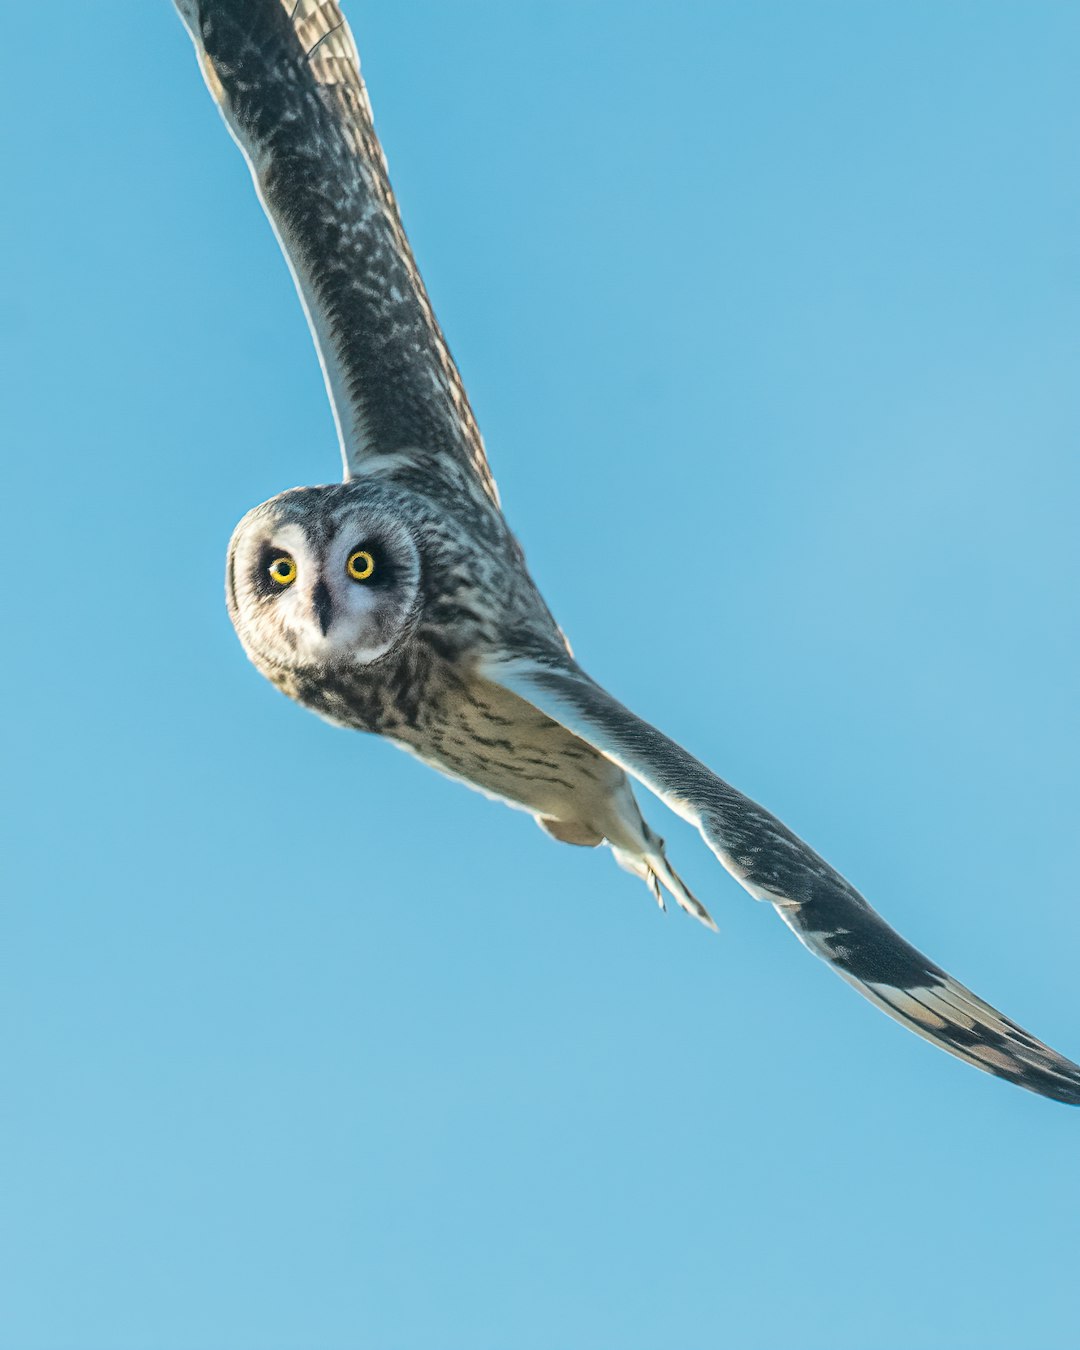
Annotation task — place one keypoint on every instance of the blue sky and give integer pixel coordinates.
(769, 314)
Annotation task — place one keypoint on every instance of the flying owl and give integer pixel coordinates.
(398, 601)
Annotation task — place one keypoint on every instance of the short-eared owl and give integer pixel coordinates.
(398, 601)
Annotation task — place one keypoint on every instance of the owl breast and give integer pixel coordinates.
(480, 734)
(496, 742)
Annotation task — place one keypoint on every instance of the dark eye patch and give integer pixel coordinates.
(384, 573)
(264, 582)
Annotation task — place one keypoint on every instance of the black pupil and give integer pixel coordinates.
(281, 568)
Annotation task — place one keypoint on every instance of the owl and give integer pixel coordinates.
(398, 602)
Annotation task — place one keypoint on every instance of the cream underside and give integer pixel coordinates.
(597, 806)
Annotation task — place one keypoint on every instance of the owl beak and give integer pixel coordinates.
(324, 607)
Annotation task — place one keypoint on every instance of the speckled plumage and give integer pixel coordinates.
(444, 645)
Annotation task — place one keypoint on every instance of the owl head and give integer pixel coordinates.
(323, 577)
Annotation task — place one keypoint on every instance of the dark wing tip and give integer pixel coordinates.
(896, 977)
(956, 1019)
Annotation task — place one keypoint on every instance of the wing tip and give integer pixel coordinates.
(1058, 1087)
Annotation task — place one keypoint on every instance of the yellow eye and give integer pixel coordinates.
(283, 571)
(360, 565)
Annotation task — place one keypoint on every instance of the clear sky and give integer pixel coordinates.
(770, 316)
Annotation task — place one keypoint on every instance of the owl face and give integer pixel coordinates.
(323, 577)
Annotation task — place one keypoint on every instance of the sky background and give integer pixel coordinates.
(769, 314)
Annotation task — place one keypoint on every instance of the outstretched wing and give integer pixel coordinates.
(824, 911)
(286, 76)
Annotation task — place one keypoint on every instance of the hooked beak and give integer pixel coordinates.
(324, 607)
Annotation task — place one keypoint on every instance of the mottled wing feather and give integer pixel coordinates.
(286, 76)
(822, 909)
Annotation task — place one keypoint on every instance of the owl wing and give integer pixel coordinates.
(825, 912)
(286, 76)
